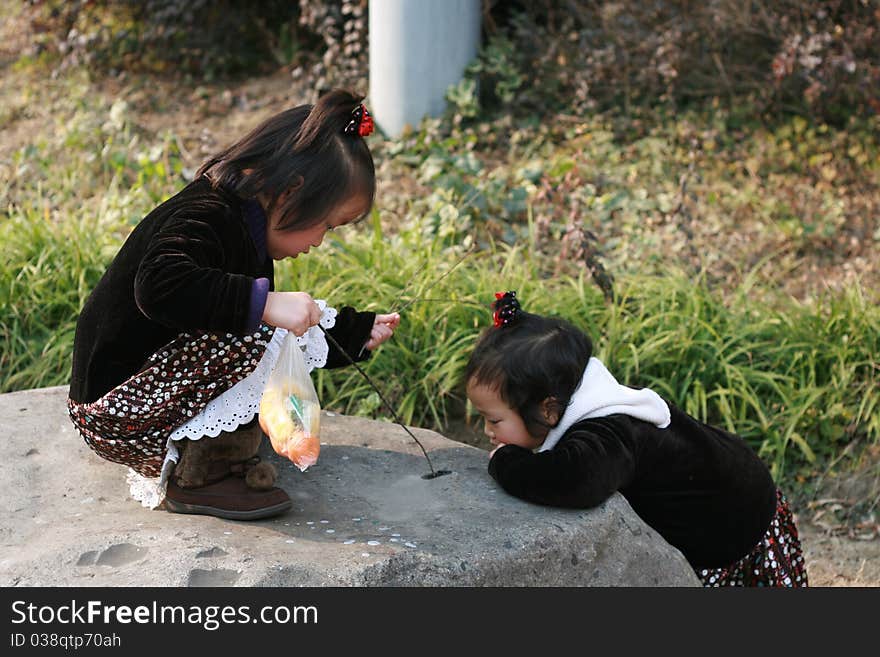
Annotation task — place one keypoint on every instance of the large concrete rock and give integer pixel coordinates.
(363, 516)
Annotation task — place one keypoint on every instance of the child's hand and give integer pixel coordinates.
(295, 311)
(383, 328)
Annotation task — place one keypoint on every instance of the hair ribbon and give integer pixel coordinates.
(361, 123)
(506, 306)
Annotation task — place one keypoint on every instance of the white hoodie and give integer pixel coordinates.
(599, 394)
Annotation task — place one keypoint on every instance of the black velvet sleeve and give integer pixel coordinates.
(582, 471)
(180, 282)
(351, 331)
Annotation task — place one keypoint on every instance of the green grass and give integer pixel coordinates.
(47, 270)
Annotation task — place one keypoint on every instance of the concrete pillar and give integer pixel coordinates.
(418, 48)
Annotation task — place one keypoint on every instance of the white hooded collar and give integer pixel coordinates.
(599, 394)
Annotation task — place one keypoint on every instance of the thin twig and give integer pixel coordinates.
(464, 302)
(381, 396)
(445, 274)
(409, 282)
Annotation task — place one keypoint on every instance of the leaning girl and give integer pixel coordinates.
(174, 344)
(568, 434)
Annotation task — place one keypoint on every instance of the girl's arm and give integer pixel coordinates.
(582, 471)
(358, 333)
(181, 282)
(352, 331)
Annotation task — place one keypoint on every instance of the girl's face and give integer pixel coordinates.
(503, 425)
(282, 244)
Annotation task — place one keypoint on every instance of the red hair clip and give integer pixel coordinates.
(506, 307)
(361, 124)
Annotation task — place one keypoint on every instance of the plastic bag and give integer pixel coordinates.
(289, 411)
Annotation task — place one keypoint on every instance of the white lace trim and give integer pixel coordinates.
(241, 402)
(313, 342)
(236, 406)
(150, 491)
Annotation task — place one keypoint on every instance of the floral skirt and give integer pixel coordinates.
(777, 560)
(132, 423)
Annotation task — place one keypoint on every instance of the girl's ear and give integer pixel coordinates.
(550, 412)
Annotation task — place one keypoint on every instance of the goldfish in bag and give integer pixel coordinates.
(289, 411)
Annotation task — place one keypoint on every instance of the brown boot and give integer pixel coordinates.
(208, 459)
(224, 477)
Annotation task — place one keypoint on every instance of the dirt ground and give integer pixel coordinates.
(839, 527)
(839, 560)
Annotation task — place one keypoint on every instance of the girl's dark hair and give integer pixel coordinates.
(304, 149)
(527, 361)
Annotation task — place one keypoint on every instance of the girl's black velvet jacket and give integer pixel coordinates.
(701, 488)
(189, 266)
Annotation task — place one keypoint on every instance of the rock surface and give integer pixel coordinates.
(363, 516)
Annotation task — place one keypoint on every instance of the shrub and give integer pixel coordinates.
(817, 57)
(202, 37)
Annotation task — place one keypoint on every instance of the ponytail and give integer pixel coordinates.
(329, 117)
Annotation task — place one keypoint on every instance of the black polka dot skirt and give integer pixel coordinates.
(131, 423)
(777, 560)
